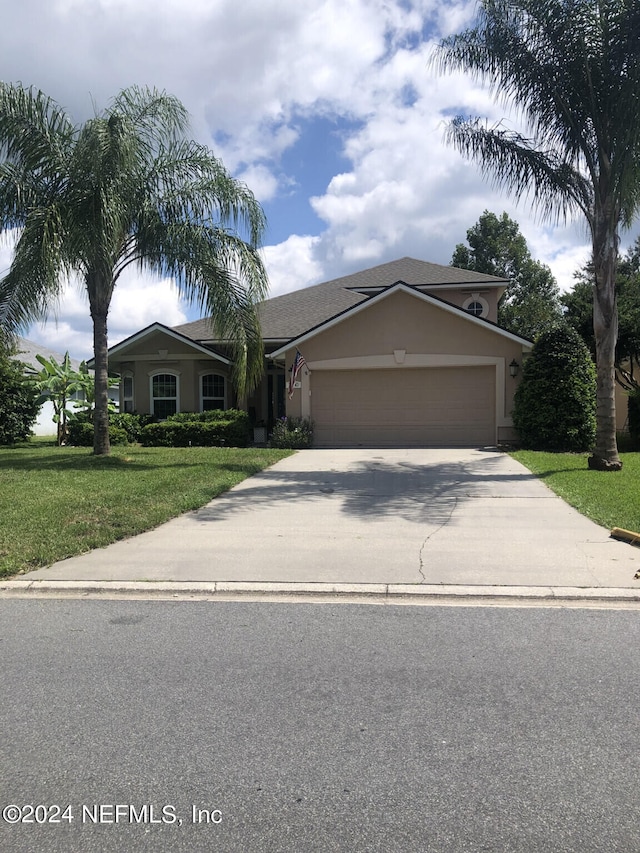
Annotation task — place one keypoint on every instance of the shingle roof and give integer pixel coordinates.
(287, 316)
(27, 351)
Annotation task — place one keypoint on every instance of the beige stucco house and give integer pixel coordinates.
(407, 353)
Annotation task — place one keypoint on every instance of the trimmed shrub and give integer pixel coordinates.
(292, 433)
(209, 415)
(80, 432)
(555, 403)
(216, 428)
(131, 423)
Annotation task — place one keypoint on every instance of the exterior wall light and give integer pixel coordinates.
(514, 368)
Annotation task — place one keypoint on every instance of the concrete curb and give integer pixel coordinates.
(375, 591)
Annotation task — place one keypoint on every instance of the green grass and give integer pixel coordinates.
(611, 499)
(56, 502)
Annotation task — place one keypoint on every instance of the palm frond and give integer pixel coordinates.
(513, 162)
(571, 69)
(189, 182)
(34, 130)
(218, 272)
(33, 285)
(126, 187)
(155, 117)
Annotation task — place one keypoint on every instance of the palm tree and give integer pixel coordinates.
(125, 187)
(572, 70)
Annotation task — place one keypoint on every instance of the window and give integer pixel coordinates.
(476, 305)
(164, 395)
(212, 390)
(127, 393)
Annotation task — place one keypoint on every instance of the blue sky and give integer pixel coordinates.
(328, 109)
(307, 168)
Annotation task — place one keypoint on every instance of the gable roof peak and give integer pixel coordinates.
(284, 316)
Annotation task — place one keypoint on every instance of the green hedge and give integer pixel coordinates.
(215, 428)
(210, 415)
(132, 423)
(81, 434)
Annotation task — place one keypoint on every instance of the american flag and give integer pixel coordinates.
(296, 367)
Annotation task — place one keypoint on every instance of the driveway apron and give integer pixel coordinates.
(417, 516)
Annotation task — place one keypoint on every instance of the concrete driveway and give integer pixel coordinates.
(423, 516)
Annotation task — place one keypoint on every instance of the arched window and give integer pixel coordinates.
(476, 305)
(212, 392)
(164, 395)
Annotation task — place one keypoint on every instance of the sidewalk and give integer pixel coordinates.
(368, 522)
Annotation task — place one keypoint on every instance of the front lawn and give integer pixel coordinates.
(56, 502)
(611, 499)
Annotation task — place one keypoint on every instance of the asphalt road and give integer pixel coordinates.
(293, 727)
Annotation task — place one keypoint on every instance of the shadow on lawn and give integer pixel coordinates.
(85, 462)
(49, 461)
(543, 475)
(54, 458)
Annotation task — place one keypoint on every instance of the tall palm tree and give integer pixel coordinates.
(126, 187)
(572, 70)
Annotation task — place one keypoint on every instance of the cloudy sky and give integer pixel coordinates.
(328, 109)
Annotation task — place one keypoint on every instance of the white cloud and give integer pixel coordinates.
(63, 337)
(262, 182)
(6, 252)
(407, 192)
(292, 262)
(251, 73)
(138, 301)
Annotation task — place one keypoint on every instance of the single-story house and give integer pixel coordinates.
(407, 353)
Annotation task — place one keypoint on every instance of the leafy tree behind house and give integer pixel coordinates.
(578, 304)
(531, 302)
(18, 396)
(126, 188)
(555, 403)
(571, 71)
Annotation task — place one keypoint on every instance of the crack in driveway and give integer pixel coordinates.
(433, 533)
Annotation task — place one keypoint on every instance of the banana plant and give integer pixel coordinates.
(88, 385)
(59, 383)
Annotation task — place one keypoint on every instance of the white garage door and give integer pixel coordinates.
(412, 407)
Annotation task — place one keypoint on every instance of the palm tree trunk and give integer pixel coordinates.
(605, 325)
(101, 446)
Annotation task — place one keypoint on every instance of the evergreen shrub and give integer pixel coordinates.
(80, 432)
(555, 403)
(131, 423)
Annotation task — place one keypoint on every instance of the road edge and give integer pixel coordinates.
(416, 593)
